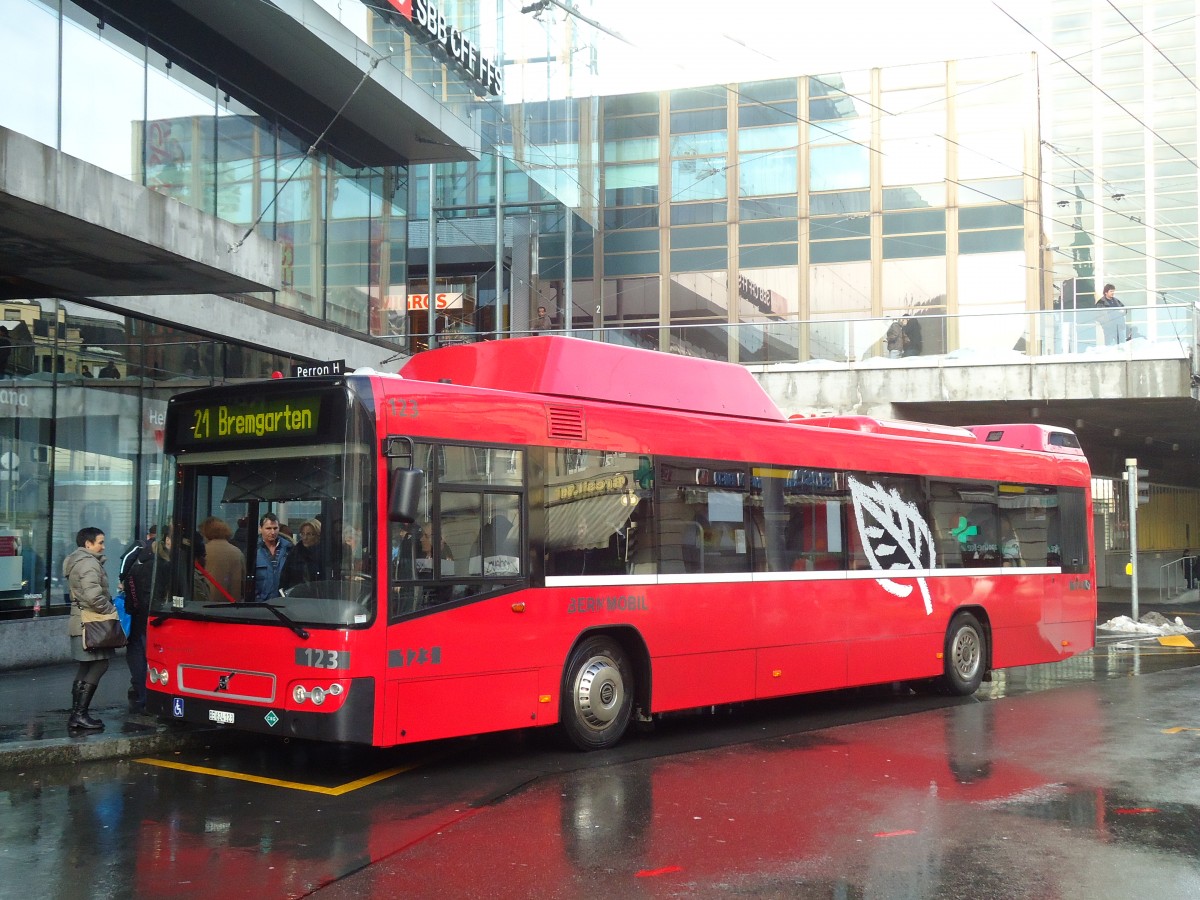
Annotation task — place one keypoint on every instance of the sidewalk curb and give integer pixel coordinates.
(68, 751)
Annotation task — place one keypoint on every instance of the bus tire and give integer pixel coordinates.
(965, 655)
(597, 695)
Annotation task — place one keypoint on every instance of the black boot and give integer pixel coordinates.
(81, 698)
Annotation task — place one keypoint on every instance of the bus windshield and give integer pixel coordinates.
(260, 533)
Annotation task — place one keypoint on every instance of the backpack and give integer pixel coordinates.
(137, 572)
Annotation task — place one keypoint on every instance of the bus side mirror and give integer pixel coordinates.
(404, 495)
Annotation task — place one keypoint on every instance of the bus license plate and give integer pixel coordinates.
(221, 716)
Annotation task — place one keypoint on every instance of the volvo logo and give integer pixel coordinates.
(223, 681)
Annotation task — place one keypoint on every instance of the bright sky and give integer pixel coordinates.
(693, 42)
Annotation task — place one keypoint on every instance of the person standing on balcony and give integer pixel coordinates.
(1111, 317)
(910, 331)
(541, 321)
(895, 340)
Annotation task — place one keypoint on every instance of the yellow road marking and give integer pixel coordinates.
(335, 791)
(1177, 729)
(1175, 640)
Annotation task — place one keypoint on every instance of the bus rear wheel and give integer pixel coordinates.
(964, 656)
(597, 696)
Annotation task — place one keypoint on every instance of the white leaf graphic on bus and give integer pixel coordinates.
(894, 536)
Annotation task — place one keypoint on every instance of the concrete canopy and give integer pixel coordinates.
(301, 62)
(71, 229)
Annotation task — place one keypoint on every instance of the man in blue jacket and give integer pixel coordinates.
(272, 554)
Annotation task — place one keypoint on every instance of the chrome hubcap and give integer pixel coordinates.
(599, 693)
(966, 655)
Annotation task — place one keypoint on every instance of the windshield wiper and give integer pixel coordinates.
(279, 614)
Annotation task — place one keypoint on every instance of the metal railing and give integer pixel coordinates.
(1174, 580)
(980, 338)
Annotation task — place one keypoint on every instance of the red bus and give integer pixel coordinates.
(554, 531)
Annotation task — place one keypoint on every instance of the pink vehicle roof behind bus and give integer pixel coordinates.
(1029, 436)
(1043, 438)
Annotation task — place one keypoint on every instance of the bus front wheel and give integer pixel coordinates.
(597, 696)
(965, 655)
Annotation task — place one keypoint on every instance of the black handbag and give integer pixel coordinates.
(102, 631)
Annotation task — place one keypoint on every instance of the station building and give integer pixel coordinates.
(184, 204)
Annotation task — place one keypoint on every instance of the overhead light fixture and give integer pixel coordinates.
(1034, 412)
(1116, 432)
(1175, 447)
(1079, 423)
(1149, 442)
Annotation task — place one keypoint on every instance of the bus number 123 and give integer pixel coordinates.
(322, 659)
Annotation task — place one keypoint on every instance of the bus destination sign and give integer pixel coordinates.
(216, 423)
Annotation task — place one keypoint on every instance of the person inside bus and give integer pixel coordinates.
(225, 563)
(272, 554)
(424, 554)
(303, 564)
(1010, 544)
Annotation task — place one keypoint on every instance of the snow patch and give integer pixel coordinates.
(1151, 623)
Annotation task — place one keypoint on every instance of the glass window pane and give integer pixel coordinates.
(704, 236)
(974, 193)
(913, 283)
(697, 213)
(839, 251)
(833, 228)
(779, 114)
(767, 293)
(768, 208)
(991, 241)
(911, 222)
(778, 254)
(103, 92)
(698, 260)
(29, 59)
(630, 300)
(841, 202)
(914, 160)
(700, 295)
(915, 196)
(698, 178)
(914, 245)
(767, 173)
(841, 167)
(991, 217)
(699, 144)
(843, 288)
(844, 131)
(768, 138)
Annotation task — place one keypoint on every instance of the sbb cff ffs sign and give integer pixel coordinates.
(448, 300)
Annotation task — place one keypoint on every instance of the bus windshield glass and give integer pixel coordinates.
(259, 533)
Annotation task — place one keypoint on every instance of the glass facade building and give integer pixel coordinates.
(1121, 132)
(84, 385)
(734, 219)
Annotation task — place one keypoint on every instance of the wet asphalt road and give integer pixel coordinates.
(1072, 780)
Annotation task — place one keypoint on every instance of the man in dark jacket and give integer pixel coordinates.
(142, 580)
(1111, 316)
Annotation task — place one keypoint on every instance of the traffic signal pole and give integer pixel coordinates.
(1136, 498)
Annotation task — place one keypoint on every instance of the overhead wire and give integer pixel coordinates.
(800, 119)
(1105, 93)
(1157, 49)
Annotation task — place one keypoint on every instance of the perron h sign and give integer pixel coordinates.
(315, 370)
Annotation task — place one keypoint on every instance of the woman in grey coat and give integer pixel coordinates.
(88, 583)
